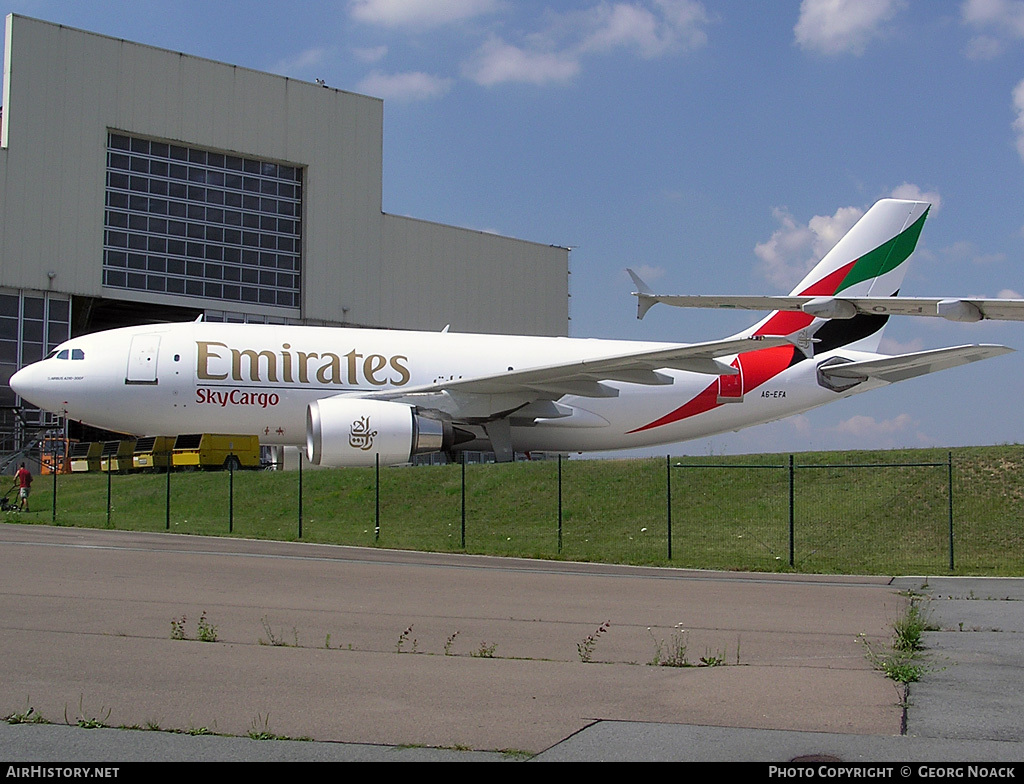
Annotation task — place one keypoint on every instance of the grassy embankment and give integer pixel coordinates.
(846, 520)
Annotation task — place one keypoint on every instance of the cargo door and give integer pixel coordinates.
(142, 356)
(730, 388)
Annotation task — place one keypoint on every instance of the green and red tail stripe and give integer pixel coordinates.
(863, 272)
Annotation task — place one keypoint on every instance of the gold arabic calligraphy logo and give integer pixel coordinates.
(803, 340)
(360, 436)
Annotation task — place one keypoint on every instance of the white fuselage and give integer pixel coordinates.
(255, 379)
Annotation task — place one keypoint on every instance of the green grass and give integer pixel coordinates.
(847, 519)
(904, 660)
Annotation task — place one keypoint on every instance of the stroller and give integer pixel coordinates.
(6, 505)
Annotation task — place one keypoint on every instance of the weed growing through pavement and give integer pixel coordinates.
(908, 629)
(671, 652)
(28, 716)
(902, 662)
(260, 729)
(272, 637)
(205, 631)
(448, 643)
(485, 651)
(709, 659)
(84, 721)
(585, 647)
(178, 628)
(403, 638)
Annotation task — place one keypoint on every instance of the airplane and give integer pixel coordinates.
(365, 396)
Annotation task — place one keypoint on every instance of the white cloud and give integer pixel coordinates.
(300, 62)
(794, 248)
(984, 47)
(890, 346)
(1018, 123)
(842, 26)
(1009, 294)
(554, 52)
(410, 86)
(423, 13)
(868, 427)
(1001, 20)
(370, 54)
(496, 62)
(1004, 15)
(666, 26)
(964, 252)
(913, 192)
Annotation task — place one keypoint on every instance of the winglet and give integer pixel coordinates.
(644, 300)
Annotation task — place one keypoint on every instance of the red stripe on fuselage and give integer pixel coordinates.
(759, 366)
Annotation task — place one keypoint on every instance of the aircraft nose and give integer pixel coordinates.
(28, 383)
(21, 382)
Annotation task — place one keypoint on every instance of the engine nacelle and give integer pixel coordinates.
(354, 431)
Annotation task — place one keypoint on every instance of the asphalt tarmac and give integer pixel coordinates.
(354, 654)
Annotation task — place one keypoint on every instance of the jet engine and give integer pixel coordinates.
(355, 431)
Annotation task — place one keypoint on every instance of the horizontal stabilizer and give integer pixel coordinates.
(918, 363)
(949, 308)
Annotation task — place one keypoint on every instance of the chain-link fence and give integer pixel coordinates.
(916, 512)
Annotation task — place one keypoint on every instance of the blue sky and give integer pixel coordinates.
(718, 146)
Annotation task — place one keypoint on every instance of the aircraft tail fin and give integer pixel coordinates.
(869, 260)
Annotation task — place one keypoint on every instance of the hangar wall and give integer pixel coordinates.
(66, 91)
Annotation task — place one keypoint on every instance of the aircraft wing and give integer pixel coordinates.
(918, 363)
(485, 397)
(953, 309)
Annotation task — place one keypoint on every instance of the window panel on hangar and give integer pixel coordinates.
(182, 220)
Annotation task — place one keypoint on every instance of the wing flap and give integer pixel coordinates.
(485, 397)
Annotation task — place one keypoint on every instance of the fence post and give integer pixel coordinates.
(949, 484)
(231, 494)
(53, 519)
(462, 460)
(559, 503)
(167, 523)
(792, 556)
(109, 460)
(300, 493)
(376, 501)
(668, 498)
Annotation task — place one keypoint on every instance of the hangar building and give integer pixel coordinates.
(140, 185)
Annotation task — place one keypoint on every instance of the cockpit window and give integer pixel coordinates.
(75, 353)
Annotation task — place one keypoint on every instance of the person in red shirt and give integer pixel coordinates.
(23, 478)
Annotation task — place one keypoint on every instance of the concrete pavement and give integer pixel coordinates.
(376, 654)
